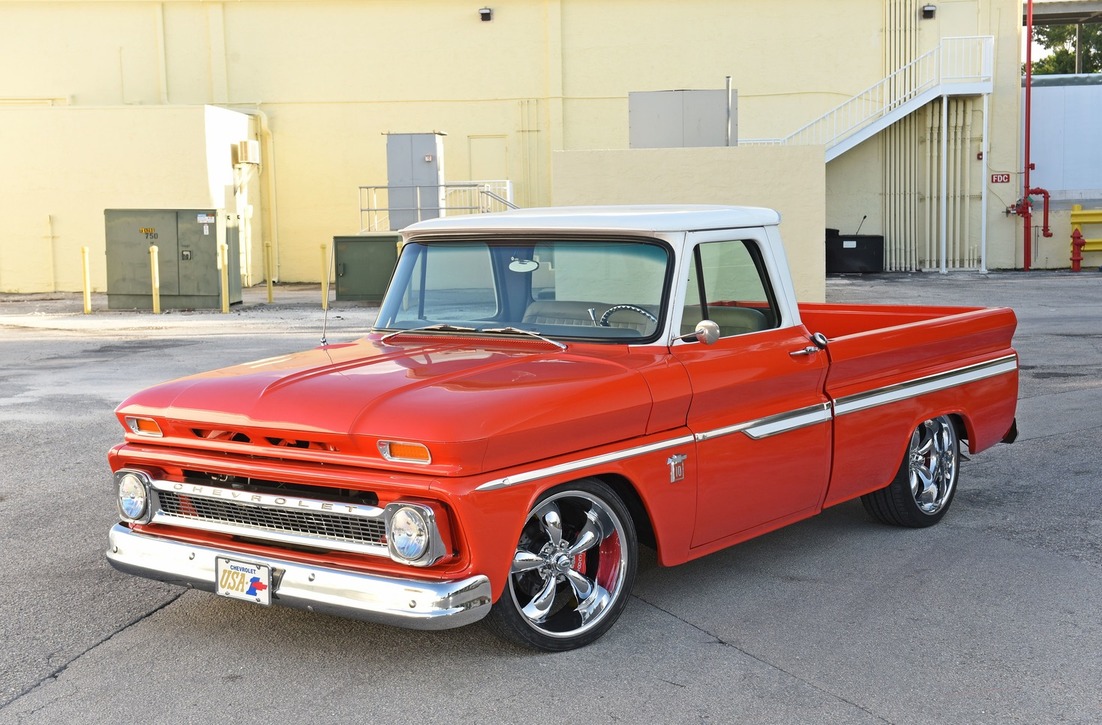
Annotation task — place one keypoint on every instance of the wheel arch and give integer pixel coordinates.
(965, 428)
(961, 425)
(625, 489)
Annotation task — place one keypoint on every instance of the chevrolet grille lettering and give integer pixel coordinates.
(265, 500)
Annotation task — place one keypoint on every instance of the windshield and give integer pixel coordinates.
(609, 290)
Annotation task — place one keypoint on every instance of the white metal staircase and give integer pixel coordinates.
(956, 67)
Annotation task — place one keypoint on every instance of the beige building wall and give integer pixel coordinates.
(750, 176)
(327, 79)
(64, 166)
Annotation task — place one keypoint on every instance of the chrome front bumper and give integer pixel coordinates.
(406, 603)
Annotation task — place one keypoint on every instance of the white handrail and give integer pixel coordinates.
(459, 197)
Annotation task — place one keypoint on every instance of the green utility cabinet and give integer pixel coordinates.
(187, 255)
(364, 264)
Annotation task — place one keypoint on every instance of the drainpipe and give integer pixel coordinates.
(1025, 210)
(729, 111)
(271, 213)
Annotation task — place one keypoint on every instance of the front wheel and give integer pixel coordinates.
(921, 492)
(572, 571)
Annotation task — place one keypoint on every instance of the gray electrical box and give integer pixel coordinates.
(187, 255)
(415, 177)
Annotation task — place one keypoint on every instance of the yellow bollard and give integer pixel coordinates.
(325, 277)
(87, 281)
(268, 269)
(156, 278)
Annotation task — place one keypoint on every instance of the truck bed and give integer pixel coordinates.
(913, 363)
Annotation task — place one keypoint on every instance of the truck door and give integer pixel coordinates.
(759, 413)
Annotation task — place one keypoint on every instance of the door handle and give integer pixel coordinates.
(809, 350)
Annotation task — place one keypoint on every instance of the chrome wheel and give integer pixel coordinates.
(932, 469)
(572, 570)
(921, 492)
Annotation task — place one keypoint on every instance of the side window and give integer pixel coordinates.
(728, 285)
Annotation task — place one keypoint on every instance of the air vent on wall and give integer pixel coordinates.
(247, 152)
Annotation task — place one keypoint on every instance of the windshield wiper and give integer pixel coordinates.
(441, 327)
(519, 331)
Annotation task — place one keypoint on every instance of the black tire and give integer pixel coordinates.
(573, 569)
(923, 489)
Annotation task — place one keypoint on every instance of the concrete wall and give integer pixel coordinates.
(788, 179)
(329, 77)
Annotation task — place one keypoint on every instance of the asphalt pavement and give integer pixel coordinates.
(992, 616)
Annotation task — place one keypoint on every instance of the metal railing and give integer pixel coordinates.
(430, 201)
(962, 62)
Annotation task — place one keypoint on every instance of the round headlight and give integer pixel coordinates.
(409, 533)
(132, 496)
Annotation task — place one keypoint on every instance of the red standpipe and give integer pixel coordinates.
(1045, 231)
(1025, 209)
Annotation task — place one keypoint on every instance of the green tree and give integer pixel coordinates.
(1060, 40)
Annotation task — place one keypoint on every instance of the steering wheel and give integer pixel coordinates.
(639, 310)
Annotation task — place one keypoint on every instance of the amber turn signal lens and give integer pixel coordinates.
(405, 452)
(144, 427)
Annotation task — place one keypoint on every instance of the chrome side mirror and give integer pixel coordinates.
(706, 332)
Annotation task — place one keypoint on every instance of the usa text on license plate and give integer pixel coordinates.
(243, 580)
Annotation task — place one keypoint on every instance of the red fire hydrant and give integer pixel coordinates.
(1077, 244)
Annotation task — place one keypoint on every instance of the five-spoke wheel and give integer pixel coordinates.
(573, 569)
(921, 492)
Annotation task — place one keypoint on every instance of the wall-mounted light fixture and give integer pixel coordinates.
(486, 14)
(928, 12)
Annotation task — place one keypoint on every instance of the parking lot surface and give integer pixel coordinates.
(992, 616)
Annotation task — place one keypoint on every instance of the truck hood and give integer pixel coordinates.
(477, 406)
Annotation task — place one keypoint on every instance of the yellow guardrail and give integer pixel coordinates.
(1079, 217)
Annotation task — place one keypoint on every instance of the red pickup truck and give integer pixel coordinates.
(544, 390)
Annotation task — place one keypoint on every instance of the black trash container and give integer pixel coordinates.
(854, 253)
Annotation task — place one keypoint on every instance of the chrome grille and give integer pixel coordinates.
(322, 529)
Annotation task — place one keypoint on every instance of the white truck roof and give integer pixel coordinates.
(646, 218)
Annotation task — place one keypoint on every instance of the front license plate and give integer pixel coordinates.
(243, 580)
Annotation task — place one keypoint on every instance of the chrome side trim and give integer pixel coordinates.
(788, 421)
(582, 463)
(929, 384)
(399, 602)
(774, 424)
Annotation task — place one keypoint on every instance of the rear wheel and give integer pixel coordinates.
(572, 571)
(923, 489)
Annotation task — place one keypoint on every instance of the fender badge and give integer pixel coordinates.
(676, 463)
